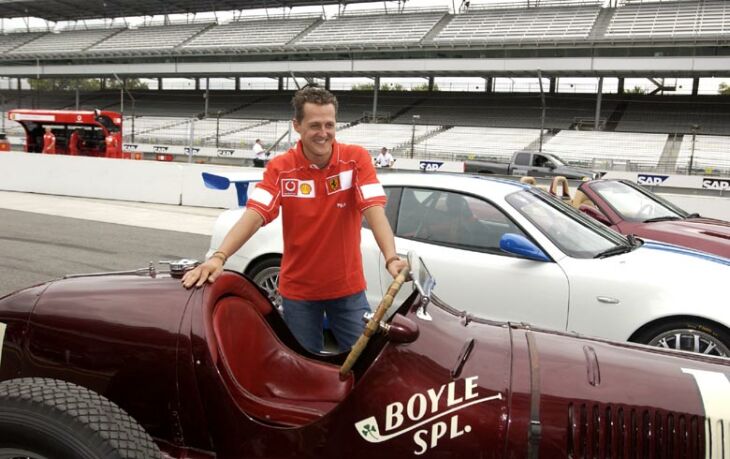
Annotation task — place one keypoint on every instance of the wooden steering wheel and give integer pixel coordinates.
(374, 323)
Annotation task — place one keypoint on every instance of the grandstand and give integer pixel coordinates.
(621, 150)
(710, 155)
(253, 34)
(671, 19)
(468, 143)
(534, 24)
(364, 30)
(562, 38)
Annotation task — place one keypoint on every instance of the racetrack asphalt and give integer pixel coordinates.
(36, 247)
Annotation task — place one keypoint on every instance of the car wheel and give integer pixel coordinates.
(689, 335)
(50, 419)
(266, 275)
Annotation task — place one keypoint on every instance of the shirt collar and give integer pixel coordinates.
(302, 160)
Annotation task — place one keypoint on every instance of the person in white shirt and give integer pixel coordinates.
(384, 158)
(259, 154)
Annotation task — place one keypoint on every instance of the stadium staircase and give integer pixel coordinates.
(548, 134)
(304, 32)
(601, 25)
(200, 32)
(242, 106)
(615, 117)
(436, 29)
(108, 37)
(407, 108)
(668, 160)
(406, 147)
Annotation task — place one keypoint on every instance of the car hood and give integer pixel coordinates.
(704, 234)
(623, 391)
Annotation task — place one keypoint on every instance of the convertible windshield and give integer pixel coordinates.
(635, 204)
(574, 234)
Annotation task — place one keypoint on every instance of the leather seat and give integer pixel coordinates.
(268, 380)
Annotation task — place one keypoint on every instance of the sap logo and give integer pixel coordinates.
(431, 415)
(160, 149)
(430, 166)
(649, 179)
(189, 150)
(225, 152)
(716, 184)
(130, 146)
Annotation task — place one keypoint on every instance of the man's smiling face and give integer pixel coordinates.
(317, 131)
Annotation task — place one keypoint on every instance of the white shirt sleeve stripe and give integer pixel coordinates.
(372, 190)
(261, 196)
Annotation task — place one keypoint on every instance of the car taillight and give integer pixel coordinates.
(163, 157)
(4, 146)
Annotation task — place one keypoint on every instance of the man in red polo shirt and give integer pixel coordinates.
(322, 188)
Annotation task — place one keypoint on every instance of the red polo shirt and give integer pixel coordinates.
(321, 218)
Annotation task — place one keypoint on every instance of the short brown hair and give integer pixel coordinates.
(312, 95)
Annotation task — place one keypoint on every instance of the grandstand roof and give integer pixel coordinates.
(70, 10)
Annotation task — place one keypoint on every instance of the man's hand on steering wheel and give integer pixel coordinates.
(397, 266)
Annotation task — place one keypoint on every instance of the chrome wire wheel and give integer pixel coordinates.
(692, 340)
(268, 279)
(14, 453)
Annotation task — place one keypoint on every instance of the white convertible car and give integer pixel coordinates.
(511, 252)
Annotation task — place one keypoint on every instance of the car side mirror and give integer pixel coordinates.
(518, 244)
(594, 213)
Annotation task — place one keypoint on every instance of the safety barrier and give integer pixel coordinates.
(182, 184)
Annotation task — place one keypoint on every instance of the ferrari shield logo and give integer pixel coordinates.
(333, 184)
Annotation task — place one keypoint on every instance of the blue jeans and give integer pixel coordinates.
(305, 320)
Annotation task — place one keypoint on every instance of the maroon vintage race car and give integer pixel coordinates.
(632, 209)
(132, 365)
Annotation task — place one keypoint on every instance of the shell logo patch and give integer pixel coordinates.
(295, 188)
(430, 417)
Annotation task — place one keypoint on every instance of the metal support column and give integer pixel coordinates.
(597, 120)
(488, 84)
(431, 83)
(695, 86)
(327, 83)
(376, 90)
(553, 85)
(621, 82)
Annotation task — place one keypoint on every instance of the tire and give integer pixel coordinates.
(695, 336)
(265, 274)
(50, 419)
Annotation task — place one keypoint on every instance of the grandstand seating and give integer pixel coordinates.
(636, 151)
(383, 29)
(710, 154)
(150, 38)
(64, 42)
(10, 41)
(374, 136)
(675, 19)
(480, 143)
(553, 23)
(250, 34)
(676, 114)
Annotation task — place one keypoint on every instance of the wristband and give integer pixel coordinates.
(391, 260)
(220, 255)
